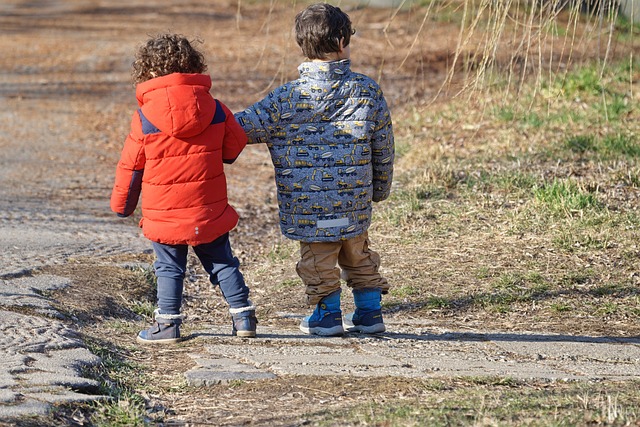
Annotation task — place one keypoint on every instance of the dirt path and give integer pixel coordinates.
(65, 103)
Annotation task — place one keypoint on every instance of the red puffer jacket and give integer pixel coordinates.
(180, 138)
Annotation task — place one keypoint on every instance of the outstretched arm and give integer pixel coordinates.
(234, 137)
(258, 119)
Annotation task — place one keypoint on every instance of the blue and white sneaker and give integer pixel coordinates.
(326, 319)
(329, 325)
(369, 322)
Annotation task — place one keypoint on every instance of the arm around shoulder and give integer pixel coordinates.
(257, 119)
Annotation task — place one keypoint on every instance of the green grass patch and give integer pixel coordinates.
(129, 410)
(566, 198)
(118, 378)
(585, 80)
(510, 289)
(580, 238)
(289, 284)
(610, 147)
(282, 251)
(142, 308)
(404, 291)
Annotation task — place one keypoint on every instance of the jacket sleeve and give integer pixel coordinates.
(129, 172)
(234, 138)
(383, 152)
(258, 119)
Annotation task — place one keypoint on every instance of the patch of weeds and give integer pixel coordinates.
(116, 373)
(123, 326)
(574, 278)
(498, 401)
(409, 204)
(580, 143)
(607, 308)
(564, 240)
(625, 28)
(561, 307)
(612, 289)
(431, 193)
(506, 114)
(404, 291)
(510, 182)
(619, 144)
(437, 303)
(445, 176)
(491, 381)
(289, 284)
(629, 177)
(128, 410)
(142, 308)
(533, 119)
(585, 80)
(483, 273)
(566, 198)
(147, 274)
(401, 148)
(391, 305)
(614, 106)
(282, 251)
(515, 182)
(635, 311)
(118, 378)
(608, 147)
(573, 240)
(511, 288)
(436, 385)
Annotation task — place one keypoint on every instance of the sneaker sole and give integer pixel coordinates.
(373, 329)
(245, 334)
(162, 341)
(325, 332)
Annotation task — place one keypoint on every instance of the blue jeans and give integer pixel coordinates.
(216, 258)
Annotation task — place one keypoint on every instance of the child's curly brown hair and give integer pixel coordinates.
(165, 54)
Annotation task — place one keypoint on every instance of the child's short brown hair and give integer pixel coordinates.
(165, 54)
(319, 29)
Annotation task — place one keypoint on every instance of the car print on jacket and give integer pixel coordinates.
(330, 137)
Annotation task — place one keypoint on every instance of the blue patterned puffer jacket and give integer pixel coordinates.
(331, 141)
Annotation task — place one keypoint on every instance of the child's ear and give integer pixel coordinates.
(341, 44)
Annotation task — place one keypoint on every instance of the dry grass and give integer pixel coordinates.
(514, 206)
(511, 220)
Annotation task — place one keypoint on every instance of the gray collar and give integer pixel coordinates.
(334, 70)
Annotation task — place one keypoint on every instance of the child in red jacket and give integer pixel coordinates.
(180, 137)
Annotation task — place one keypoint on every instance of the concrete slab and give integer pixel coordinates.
(428, 354)
(40, 364)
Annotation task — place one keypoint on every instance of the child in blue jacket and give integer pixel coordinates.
(330, 137)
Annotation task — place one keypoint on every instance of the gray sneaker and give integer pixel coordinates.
(244, 324)
(165, 330)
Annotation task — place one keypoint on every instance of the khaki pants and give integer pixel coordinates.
(319, 261)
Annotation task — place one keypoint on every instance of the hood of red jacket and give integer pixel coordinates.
(178, 104)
